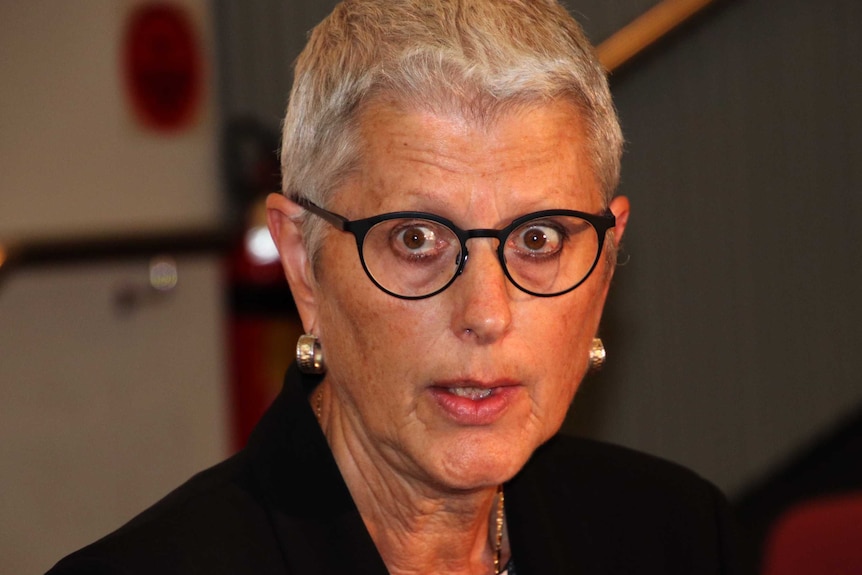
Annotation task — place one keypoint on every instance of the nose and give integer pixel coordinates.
(482, 292)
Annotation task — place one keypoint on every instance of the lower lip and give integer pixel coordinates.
(467, 411)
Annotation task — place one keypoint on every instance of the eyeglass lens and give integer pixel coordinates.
(414, 257)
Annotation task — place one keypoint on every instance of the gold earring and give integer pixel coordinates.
(309, 355)
(597, 354)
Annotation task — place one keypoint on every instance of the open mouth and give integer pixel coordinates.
(474, 393)
(476, 402)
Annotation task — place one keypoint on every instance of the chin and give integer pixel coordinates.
(480, 465)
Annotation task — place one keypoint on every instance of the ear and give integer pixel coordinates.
(283, 219)
(620, 208)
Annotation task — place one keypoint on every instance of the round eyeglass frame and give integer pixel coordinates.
(601, 223)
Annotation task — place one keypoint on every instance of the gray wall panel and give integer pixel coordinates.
(735, 326)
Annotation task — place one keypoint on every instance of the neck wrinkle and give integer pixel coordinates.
(417, 527)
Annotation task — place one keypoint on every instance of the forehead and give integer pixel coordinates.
(525, 158)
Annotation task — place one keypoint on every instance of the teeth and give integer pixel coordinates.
(470, 392)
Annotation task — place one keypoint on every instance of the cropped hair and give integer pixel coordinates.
(477, 58)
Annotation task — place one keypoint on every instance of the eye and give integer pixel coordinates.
(537, 239)
(417, 239)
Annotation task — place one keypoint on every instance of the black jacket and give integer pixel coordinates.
(280, 506)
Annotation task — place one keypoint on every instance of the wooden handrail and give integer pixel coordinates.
(645, 30)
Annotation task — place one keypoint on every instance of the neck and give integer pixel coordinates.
(433, 535)
(418, 527)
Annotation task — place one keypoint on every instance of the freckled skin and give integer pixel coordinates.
(383, 353)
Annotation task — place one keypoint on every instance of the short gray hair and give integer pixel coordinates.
(478, 58)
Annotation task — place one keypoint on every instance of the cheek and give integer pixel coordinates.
(570, 330)
(368, 335)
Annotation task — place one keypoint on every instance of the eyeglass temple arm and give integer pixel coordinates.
(338, 221)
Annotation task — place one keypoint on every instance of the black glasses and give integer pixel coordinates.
(414, 255)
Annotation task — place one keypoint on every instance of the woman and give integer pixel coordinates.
(448, 230)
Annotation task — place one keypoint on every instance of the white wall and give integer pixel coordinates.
(72, 159)
(103, 409)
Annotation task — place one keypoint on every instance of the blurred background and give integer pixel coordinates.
(144, 326)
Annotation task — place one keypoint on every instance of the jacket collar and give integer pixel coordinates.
(314, 517)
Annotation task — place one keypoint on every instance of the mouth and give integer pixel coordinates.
(475, 389)
(475, 402)
(474, 393)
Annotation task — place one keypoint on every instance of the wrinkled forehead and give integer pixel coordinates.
(525, 157)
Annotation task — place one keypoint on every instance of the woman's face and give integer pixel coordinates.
(457, 390)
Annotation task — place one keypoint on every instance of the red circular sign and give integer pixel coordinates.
(162, 66)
